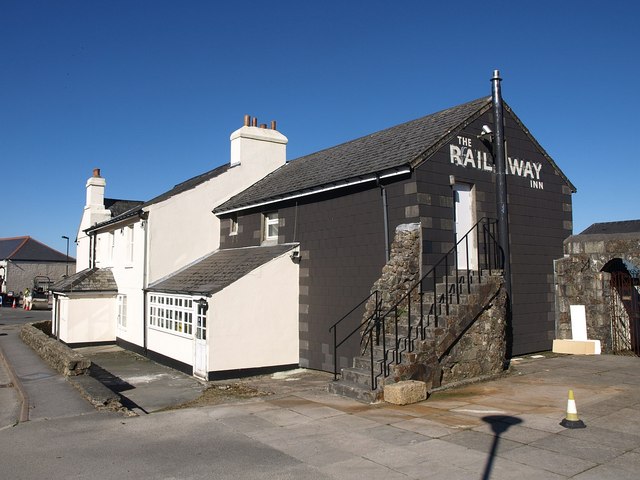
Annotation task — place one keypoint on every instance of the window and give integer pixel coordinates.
(130, 244)
(271, 226)
(112, 245)
(122, 311)
(172, 313)
(233, 224)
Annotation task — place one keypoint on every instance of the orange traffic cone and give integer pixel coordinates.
(14, 303)
(572, 420)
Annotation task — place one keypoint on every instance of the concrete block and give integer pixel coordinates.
(406, 392)
(577, 347)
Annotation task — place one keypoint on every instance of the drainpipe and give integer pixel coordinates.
(145, 218)
(385, 215)
(501, 180)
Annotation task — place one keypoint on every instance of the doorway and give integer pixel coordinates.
(464, 212)
(200, 363)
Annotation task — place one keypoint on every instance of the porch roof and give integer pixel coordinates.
(218, 270)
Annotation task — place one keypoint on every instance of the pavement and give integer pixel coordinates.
(505, 428)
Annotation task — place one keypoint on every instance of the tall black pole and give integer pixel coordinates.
(67, 239)
(501, 179)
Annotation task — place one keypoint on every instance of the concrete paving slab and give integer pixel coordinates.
(606, 472)
(598, 452)
(503, 469)
(482, 442)
(142, 383)
(425, 427)
(558, 463)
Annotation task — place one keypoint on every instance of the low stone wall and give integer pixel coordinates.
(580, 280)
(56, 354)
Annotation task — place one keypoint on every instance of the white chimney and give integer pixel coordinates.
(95, 191)
(94, 212)
(258, 147)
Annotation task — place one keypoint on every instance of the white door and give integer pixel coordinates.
(200, 342)
(463, 195)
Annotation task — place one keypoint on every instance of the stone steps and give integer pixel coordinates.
(355, 381)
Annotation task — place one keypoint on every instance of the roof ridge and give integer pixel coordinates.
(25, 240)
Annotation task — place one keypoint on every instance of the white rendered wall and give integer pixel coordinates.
(92, 319)
(254, 321)
(172, 345)
(183, 228)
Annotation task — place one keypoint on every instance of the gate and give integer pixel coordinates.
(625, 313)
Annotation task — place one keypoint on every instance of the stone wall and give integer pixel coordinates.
(473, 342)
(481, 350)
(580, 281)
(58, 355)
(401, 272)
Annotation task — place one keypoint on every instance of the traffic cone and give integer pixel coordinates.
(572, 420)
(14, 303)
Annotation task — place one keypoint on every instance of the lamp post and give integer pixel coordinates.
(67, 239)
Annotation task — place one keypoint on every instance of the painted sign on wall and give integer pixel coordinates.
(465, 155)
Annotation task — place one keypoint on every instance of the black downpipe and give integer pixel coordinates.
(385, 215)
(501, 179)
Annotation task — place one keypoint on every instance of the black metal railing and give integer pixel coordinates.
(407, 319)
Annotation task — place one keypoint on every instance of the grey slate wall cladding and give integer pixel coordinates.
(540, 219)
(342, 247)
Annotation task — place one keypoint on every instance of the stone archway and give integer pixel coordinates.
(624, 305)
(588, 275)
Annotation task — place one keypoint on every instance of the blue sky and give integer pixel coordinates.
(149, 91)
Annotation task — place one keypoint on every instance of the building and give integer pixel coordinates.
(340, 204)
(24, 258)
(125, 248)
(234, 272)
(601, 270)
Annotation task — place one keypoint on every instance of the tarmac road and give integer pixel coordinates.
(503, 429)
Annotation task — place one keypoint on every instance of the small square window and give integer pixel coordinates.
(271, 226)
(233, 224)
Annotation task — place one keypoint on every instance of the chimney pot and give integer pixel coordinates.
(96, 172)
(247, 120)
(273, 125)
(263, 125)
(255, 121)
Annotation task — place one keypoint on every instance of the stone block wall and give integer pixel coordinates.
(58, 355)
(580, 280)
(473, 342)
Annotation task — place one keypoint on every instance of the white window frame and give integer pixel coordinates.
(271, 220)
(130, 245)
(173, 314)
(233, 224)
(122, 311)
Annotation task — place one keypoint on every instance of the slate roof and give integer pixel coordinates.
(218, 270)
(119, 212)
(118, 207)
(29, 249)
(395, 147)
(88, 280)
(604, 228)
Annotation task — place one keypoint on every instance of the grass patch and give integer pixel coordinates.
(219, 394)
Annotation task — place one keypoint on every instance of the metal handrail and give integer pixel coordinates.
(493, 260)
(333, 327)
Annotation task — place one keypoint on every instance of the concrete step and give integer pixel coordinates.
(357, 376)
(352, 390)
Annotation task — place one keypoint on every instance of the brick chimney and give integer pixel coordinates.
(254, 146)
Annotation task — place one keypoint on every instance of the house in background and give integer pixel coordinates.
(244, 268)
(122, 255)
(24, 258)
